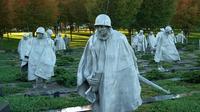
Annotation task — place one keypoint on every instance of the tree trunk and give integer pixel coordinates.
(129, 35)
(7, 33)
(71, 30)
(78, 28)
(1, 34)
(33, 31)
(56, 29)
(61, 30)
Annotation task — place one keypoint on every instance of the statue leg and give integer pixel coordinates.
(161, 68)
(36, 83)
(44, 83)
(95, 105)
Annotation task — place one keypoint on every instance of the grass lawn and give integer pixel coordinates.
(67, 67)
(186, 104)
(42, 103)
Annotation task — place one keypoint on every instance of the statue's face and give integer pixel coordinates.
(49, 35)
(39, 35)
(103, 32)
(169, 32)
(25, 38)
(182, 32)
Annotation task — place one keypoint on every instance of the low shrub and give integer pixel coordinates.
(180, 46)
(191, 77)
(64, 60)
(155, 75)
(64, 77)
(147, 57)
(190, 48)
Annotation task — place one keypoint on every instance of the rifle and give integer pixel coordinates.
(148, 82)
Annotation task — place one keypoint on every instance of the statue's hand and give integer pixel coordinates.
(93, 82)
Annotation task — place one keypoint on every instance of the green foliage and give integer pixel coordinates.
(190, 48)
(70, 14)
(180, 46)
(87, 34)
(147, 57)
(191, 77)
(167, 64)
(30, 14)
(152, 62)
(198, 62)
(155, 75)
(187, 15)
(155, 13)
(194, 36)
(9, 74)
(40, 103)
(175, 87)
(10, 91)
(23, 76)
(122, 13)
(64, 60)
(6, 16)
(124, 16)
(64, 77)
(7, 45)
(187, 104)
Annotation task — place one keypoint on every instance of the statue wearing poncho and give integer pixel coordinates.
(24, 48)
(180, 38)
(59, 43)
(166, 49)
(41, 59)
(142, 42)
(108, 73)
(151, 42)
